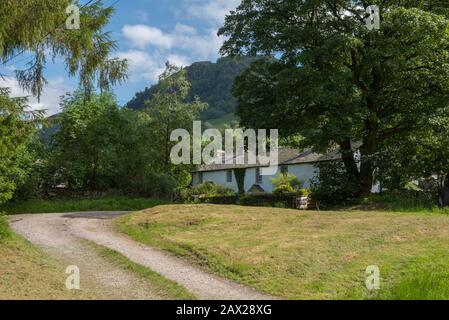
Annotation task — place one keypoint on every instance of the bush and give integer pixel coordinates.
(286, 183)
(269, 200)
(283, 189)
(207, 189)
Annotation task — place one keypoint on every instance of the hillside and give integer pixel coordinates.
(212, 82)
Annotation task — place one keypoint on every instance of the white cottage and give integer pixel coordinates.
(300, 164)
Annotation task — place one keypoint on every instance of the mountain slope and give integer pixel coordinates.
(212, 82)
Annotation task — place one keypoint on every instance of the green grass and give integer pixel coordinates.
(27, 273)
(170, 290)
(403, 202)
(108, 203)
(305, 255)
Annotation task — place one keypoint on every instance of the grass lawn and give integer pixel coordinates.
(306, 255)
(27, 274)
(108, 203)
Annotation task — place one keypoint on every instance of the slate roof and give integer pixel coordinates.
(287, 156)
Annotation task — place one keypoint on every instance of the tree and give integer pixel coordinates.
(38, 27)
(17, 126)
(168, 111)
(336, 82)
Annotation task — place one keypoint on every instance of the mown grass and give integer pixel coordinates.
(108, 203)
(305, 255)
(165, 288)
(26, 273)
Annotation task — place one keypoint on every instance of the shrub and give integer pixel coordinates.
(283, 189)
(207, 189)
(286, 183)
(269, 200)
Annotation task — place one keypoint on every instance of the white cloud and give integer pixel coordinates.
(50, 96)
(142, 66)
(141, 35)
(184, 37)
(213, 11)
(179, 60)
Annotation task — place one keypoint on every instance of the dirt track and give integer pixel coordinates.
(61, 235)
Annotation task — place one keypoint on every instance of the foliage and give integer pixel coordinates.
(85, 51)
(207, 189)
(332, 186)
(286, 183)
(17, 126)
(168, 111)
(341, 81)
(99, 147)
(211, 82)
(421, 154)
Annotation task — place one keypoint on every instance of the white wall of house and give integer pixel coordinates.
(304, 172)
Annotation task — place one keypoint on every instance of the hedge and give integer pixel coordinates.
(256, 200)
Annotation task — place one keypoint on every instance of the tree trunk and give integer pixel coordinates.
(367, 167)
(347, 155)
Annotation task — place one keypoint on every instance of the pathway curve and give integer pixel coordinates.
(60, 234)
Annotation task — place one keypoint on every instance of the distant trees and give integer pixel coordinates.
(336, 82)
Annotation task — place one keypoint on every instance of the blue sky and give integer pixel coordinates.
(148, 32)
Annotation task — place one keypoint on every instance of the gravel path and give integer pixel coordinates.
(61, 233)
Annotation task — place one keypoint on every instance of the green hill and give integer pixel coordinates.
(212, 82)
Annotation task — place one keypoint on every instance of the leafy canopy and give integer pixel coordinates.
(336, 82)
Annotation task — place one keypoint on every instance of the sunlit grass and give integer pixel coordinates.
(305, 255)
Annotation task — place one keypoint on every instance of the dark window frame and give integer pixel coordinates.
(259, 177)
(229, 174)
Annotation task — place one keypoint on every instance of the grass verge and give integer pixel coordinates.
(28, 274)
(305, 255)
(109, 203)
(166, 288)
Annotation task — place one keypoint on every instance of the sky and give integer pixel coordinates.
(148, 33)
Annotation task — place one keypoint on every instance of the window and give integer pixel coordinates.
(200, 177)
(284, 169)
(259, 178)
(229, 176)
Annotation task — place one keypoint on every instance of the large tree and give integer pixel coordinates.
(33, 32)
(337, 82)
